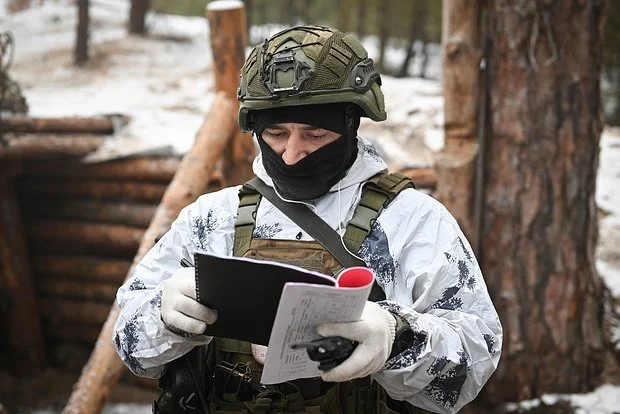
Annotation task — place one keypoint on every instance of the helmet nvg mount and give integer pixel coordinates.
(308, 65)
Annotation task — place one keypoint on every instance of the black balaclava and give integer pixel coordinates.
(312, 176)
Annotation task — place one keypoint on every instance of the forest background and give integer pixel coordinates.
(411, 26)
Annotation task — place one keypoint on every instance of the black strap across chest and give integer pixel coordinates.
(377, 194)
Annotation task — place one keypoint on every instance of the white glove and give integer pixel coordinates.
(179, 308)
(375, 333)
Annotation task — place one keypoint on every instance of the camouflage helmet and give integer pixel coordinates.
(308, 65)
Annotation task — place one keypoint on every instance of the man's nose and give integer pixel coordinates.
(295, 149)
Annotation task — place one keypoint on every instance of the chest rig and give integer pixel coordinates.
(304, 395)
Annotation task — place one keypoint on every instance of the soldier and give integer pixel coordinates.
(434, 339)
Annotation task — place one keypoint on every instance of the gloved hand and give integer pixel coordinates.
(179, 308)
(375, 333)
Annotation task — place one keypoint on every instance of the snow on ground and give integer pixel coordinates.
(164, 82)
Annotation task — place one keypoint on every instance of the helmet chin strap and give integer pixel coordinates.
(351, 121)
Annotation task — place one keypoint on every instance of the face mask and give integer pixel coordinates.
(312, 176)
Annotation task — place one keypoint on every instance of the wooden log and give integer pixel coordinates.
(66, 125)
(129, 214)
(69, 289)
(81, 50)
(49, 146)
(227, 23)
(92, 189)
(85, 269)
(21, 318)
(104, 367)
(141, 168)
(74, 236)
(83, 333)
(456, 163)
(62, 311)
(137, 16)
(422, 177)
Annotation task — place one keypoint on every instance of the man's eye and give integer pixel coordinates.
(275, 134)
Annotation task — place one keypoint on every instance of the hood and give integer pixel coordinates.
(367, 164)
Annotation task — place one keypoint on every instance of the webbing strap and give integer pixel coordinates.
(249, 199)
(378, 192)
(310, 223)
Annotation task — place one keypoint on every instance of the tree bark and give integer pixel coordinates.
(65, 125)
(227, 21)
(456, 163)
(104, 367)
(81, 38)
(23, 327)
(540, 222)
(137, 16)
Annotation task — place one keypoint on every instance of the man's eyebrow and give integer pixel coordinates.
(305, 127)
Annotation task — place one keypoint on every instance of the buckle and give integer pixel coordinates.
(246, 215)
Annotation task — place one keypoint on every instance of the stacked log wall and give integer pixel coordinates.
(84, 223)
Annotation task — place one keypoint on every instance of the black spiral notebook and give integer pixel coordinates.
(246, 293)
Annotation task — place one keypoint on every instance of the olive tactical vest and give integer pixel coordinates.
(310, 395)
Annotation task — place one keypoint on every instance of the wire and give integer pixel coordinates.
(340, 228)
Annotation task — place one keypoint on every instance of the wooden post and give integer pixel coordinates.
(456, 164)
(137, 16)
(227, 22)
(104, 368)
(23, 327)
(81, 37)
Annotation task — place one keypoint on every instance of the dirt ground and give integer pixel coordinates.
(50, 391)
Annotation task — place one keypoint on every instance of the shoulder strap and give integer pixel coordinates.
(249, 199)
(309, 222)
(378, 192)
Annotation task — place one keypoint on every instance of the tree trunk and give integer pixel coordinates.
(137, 16)
(540, 222)
(345, 8)
(81, 38)
(292, 12)
(104, 367)
(384, 32)
(361, 18)
(228, 41)
(456, 163)
(417, 20)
